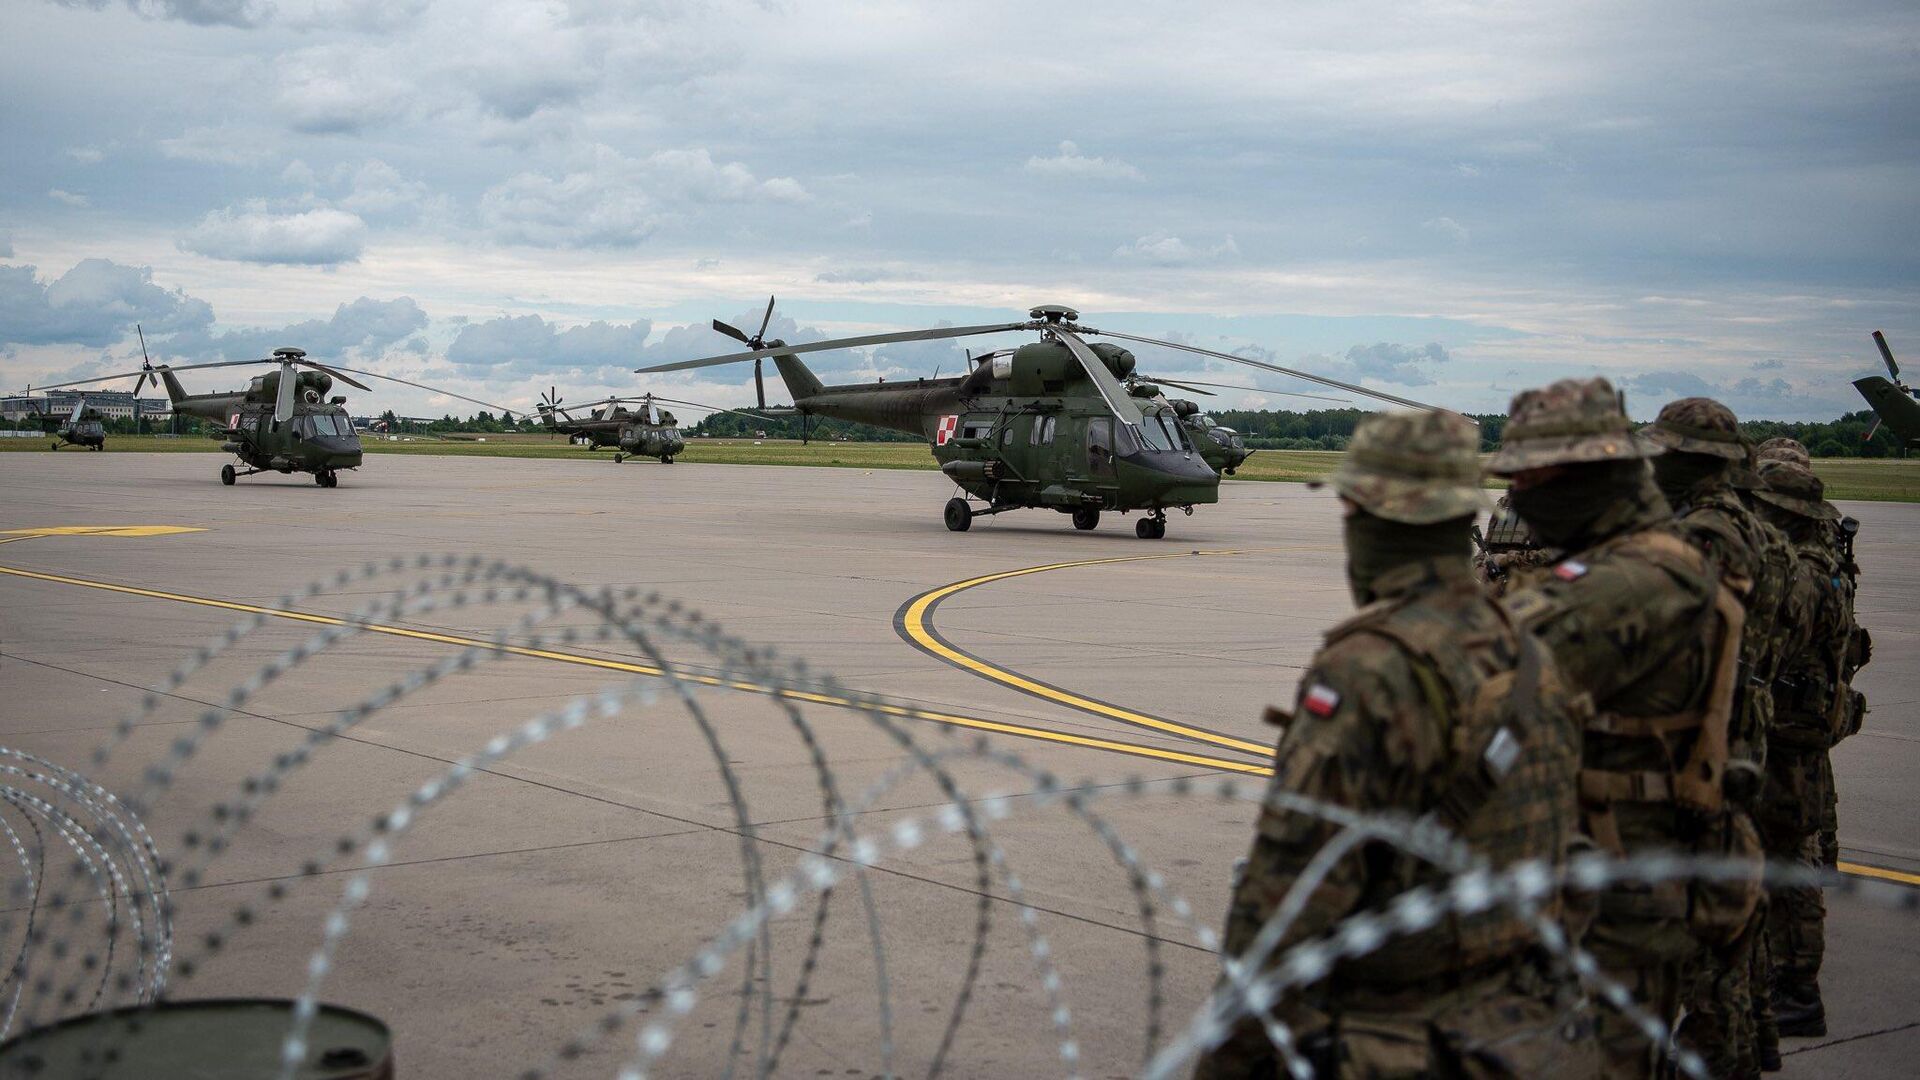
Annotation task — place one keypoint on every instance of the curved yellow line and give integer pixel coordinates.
(914, 621)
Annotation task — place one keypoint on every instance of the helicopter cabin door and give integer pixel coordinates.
(1100, 449)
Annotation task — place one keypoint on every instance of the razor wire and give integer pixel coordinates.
(115, 856)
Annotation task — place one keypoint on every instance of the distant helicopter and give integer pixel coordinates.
(1048, 425)
(1892, 402)
(82, 427)
(649, 431)
(1222, 447)
(283, 421)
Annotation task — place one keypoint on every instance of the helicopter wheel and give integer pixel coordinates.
(226, 475)
(1086, 518)
(618, 458)
(959, 515)
(1150, 528)
(55, 446)
(668, 460)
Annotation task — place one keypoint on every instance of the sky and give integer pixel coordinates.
(1447, 201)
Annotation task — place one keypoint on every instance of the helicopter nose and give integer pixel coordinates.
(342, 453)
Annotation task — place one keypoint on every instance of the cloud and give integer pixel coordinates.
(1774, 364)
(1750, 397)
(215, 146)
(68, 198)
(526, 342)
(1071, 163)
(611, 200)
(1164, 249)
(378, 188)
(1448, 229)
(361, 16)
(527, 57)
(1396, 363)
(338, 91)
(93, 305)
(240, 13)
(86, 155)
(319, 237)
(364, 327)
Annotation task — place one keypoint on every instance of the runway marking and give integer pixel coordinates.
(1899, 877)
(97, 530)
(973, 723)
(913, 622)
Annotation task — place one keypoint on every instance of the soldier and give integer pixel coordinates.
(1427, 701)
(1705, 455)
(1813, 707)
(1638, 618)
(1507, 549)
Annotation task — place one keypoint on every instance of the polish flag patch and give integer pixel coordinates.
(1321, 700)
(1571, 570)
(944, 429)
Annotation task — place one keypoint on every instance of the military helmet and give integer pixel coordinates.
(1698, 425)
(1795, 489)
(1415, 467)
(1783, 449)
(1572, 422)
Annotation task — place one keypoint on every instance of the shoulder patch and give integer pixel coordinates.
(1570, 570)
(1321, 700)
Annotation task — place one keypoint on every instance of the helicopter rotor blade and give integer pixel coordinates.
(1176, 385)
(1259, 390)
(162, 367)
(1110, 389)
(283, 394)
(765, 321)
(933, 334)
(357, 384)
(713, 408)
(1871, 431)
(146, 365)
(1886, 354)
(502, 409)
(732, 332)
(1264, 366)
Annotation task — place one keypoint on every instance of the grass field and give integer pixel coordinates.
(1885, 479)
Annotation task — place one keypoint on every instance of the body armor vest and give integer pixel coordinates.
(1513, 735)
(1810, 693)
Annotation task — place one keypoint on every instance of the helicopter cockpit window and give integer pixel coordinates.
(1153, 434)
(326, 424)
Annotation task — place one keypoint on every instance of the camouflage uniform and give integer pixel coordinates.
(1724, 1015)
(1425, 702)
(1638, 618)
(1814, 707)
(1507, 550)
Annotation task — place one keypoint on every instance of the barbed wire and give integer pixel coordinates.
(114, 868)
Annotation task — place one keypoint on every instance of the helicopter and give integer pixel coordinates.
(1892, 401)
(649, 431)
(82, 427)
(1219, 445)
(1048, 425)
(283, 421)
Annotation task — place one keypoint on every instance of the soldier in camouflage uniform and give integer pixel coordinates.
(1638, 618)
(1507, 549)
(1814, 707)
(1697, 473)
(1427, 702)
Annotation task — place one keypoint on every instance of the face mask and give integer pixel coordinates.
(1568, 508)
(1678, 474)
(1376, 546)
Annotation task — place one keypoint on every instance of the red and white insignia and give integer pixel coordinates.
(1570, 570)
(233, 421)
(944, 429)
(1321, 700)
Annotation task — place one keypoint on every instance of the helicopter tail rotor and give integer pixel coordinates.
(756, 342)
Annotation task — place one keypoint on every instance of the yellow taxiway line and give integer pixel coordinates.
(912, 622)
(901, 711)
(974, 723)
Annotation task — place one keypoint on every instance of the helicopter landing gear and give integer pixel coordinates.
(55, 446)
(1151, 528)
(1086, 518)
(959, 515)
(667, 460)
(618, 457)
(226, 475)
(327, 478)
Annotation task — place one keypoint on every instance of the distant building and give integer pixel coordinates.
(110, 404)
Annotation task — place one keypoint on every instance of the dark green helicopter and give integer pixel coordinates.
(1050, 424)
(1892, 401)
(82, 427)
(283, 421)
(648, 431)
(1221, 446)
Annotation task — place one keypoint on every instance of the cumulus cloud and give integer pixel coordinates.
(335, 91)
(611, 200)
(525, 342)
(378, 188)
(1071, 163)
(86, 155)
(318, 237)
(241, 13)
(1164, 249)
(68, 198)
(1750, 397)
(527, 57)
(93, 305)
(1400, 364)
(363, 328)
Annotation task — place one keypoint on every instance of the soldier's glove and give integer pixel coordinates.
(1741, 783)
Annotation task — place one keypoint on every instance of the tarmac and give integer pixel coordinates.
(569, 878)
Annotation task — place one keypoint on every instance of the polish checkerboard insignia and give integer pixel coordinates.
(945, 429)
